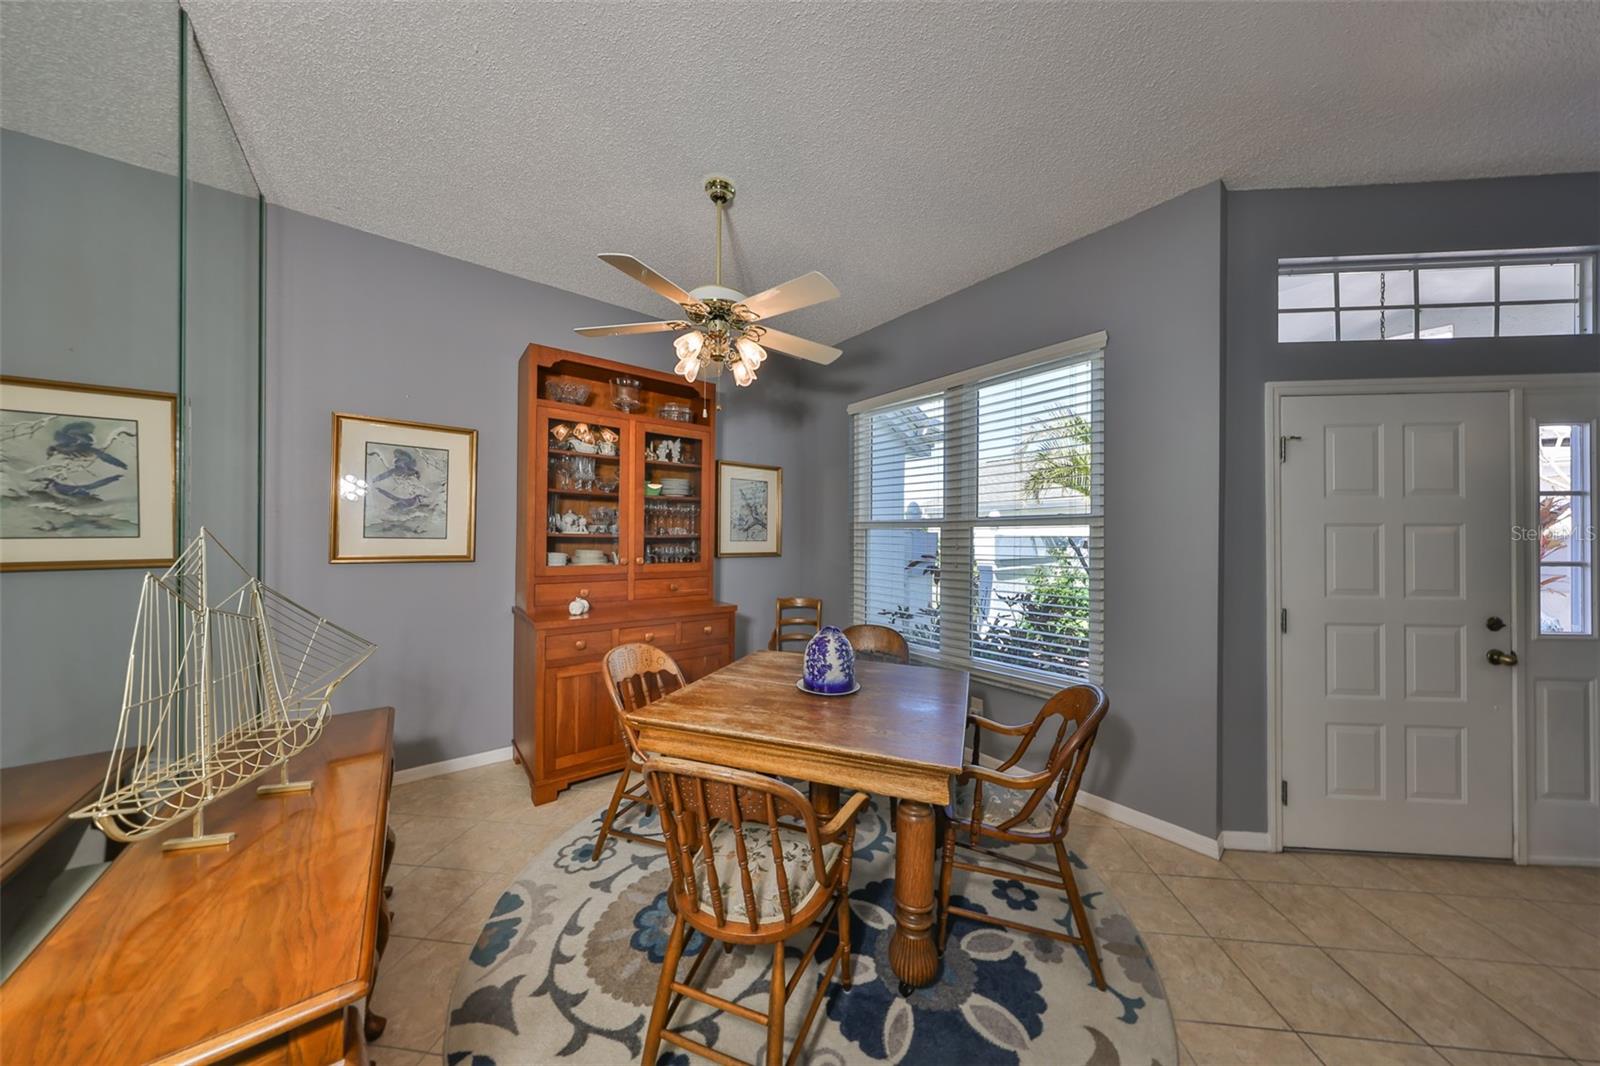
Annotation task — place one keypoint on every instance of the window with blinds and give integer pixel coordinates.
(979, 520)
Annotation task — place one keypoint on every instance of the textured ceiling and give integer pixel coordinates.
(103, 77)
(905, 149)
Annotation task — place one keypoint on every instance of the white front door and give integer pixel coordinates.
(1395, 516)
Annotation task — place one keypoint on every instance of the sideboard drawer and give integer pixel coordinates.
(707, 630)
(662, 634)
(560, 593)
(577, 644)
(694, 586)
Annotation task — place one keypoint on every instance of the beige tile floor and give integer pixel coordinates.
(1343, 960)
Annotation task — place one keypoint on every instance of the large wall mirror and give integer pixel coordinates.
(131, 296)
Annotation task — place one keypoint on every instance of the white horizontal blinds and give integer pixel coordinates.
(979, 519)
(899, 477)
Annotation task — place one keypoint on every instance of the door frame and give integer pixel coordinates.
(1516, 387)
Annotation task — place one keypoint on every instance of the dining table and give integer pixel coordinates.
(901, 734)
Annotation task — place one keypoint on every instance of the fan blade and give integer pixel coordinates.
(807, 289)
(641, 273)
(799, 346)
(627, 328)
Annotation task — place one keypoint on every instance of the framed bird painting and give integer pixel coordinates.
(88, 476)
(403, 492)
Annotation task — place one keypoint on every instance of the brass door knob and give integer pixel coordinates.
(1502, 658)
(639, 561)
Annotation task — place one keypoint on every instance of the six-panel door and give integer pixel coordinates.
(1395, 516)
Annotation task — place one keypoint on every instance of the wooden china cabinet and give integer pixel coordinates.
(616, 504)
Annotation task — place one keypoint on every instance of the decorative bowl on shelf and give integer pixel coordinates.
(573, 392)
(677, 412)
(830, 664)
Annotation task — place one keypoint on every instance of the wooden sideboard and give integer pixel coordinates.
(257, 952)
(652, 581)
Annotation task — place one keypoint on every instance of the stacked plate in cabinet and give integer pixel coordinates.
(676, 486)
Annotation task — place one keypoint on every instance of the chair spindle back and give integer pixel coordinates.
(639, 674)
(692, 797)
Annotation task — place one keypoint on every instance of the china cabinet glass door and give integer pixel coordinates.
(676, 501)
(585, 513)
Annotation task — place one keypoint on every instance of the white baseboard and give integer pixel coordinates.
(450, 766)
(1176, 834)
(1563, 860)
(1243, 840)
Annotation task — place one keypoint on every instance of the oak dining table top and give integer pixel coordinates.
(901, 735)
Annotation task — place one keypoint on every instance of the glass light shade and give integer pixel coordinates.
(751, 354)
(742, 374)
(689, 344)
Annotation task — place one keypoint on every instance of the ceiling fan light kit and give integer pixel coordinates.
(721, 325)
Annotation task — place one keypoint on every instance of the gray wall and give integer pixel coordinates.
(1154, 284)
(89, 261)
(361, 324)
(1266, 225)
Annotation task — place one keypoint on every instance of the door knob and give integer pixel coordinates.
(1502, 658)
(1495, 624)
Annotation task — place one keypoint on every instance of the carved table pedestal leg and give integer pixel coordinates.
(912, 951)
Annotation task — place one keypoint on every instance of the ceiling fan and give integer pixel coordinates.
(723, 326)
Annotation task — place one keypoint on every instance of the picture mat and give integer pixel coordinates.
(152, 468)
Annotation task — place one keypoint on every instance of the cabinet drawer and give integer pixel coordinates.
(661, 635)
(577, 644)
(707, 630)
(690, 586)
(560, 593)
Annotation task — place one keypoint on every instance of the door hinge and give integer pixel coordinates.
(1283, 620)
(1283, 446)
(1283, 793)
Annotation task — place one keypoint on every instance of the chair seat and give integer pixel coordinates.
(799, 871)
(1000, 805)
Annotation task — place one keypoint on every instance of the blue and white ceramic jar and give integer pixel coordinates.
(830, 665)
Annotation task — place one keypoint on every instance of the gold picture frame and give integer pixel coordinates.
(749, 515)
(396, 487)
(98, 439)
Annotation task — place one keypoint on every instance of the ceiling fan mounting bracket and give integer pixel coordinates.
(720, 190)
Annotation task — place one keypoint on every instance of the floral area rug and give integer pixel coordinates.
(565, 971)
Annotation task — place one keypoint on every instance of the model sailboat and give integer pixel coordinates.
(220, 689)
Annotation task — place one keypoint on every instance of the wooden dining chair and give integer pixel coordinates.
(1006, 805)
(878, 643)
(740, 876)
(636, 674)
(802, 611)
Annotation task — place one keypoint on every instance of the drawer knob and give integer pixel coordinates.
(649, 638)
(580, 644)
(584, 593)
(672, 587)
(705, 629)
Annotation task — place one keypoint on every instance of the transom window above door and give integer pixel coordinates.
(979, 520)
(1437, 297)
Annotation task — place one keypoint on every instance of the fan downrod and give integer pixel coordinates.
(720, 190)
